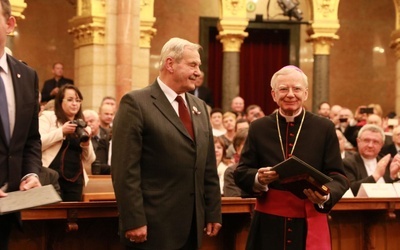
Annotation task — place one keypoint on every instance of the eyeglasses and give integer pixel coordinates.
(285, 89)
(368, 141)
(73, 100)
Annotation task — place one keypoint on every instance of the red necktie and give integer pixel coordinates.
(185, 116)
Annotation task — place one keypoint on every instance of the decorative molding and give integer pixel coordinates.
(17, 7)
(88, 27)
(326, 8)
(232, 42)
(232, 8)
(397, 8)
(147, 20)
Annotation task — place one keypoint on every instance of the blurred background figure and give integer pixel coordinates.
(52, 86)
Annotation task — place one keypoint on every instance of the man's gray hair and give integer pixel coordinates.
(174, 49)
(372, 128)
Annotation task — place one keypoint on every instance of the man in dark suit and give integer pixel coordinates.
(51, 86)
(164, 172)
(392, 148)
(203, 92)
(365, 166)
(20, 146)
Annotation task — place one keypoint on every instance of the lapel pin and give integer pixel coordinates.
(195, 111)
(18, 75)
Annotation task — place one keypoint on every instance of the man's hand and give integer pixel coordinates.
(137, 235)
(395, 167)
(266, 176)
(30, 182)
(381, 167)
(212, 229)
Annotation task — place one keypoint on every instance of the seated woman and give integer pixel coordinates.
(66, 146)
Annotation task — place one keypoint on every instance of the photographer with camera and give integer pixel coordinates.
(66, 144)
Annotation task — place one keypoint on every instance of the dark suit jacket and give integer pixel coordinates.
(24, 154)
(205, 94)
(50, 84)
(160, 175)
(357, 174)
(388, 149)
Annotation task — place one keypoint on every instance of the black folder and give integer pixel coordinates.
(296, 175)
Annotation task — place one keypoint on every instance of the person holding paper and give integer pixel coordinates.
(366, 166)
(20, 148)
(282, 220)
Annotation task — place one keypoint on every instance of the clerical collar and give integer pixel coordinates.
(290, 118)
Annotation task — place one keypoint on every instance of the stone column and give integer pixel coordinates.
(88, 30)
(322, 34)
(124, 47)
(233, 22)
(146, 32)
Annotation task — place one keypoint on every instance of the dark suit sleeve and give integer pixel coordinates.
(230, 188)
(46, 91)
(355, 175)
(125, 162)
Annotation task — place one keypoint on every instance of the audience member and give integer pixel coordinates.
(220, 155)
(203, 92)
(392, 148)
(365, 166)
(109, 100)
(52, 86)
(241, 124)
(290, 131)
(20, 161)
(229, 186)
(324, 109)
(377, 120)
(106, 116)
(377, 109)
(100, 142)
(342, 144)
(237, 107)
(66, 146)
(162, 174)
(334, 114)
(253, 112)
(218, 128)
(229, 121)
(347, 125)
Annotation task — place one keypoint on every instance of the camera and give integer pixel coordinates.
(80, 131)
(342, 120)
(366, 110)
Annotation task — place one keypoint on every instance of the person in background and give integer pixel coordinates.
(109, 100)
(203, 92)
(66, 144)
(253, 112)
(164, 176)
(100, 142)
(392, 148)
(347, 125)
(271, 140)
(106, 116)
(237, 107)
(324, 109)
(366, 166)
(220, 155)
(20, 146)
(216, 122)
(52, 86)
(229, 121)
(334, 114)
(229, 187)
(342, 144)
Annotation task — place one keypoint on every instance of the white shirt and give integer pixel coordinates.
(171, 95)
(5, 74)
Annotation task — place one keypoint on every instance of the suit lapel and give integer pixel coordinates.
(16, 76)
(164, 106)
